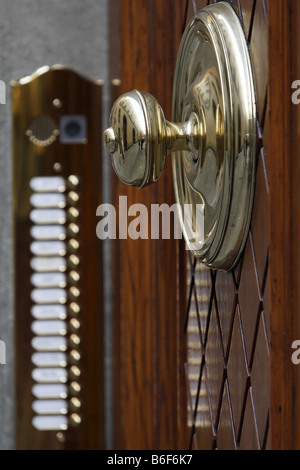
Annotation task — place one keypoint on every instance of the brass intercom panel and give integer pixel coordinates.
(56, 129)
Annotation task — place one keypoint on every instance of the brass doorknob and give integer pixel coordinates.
(212, 136)
(140, 138)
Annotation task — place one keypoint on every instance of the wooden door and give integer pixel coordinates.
(228, 315)
(202, 358)
(146, 316)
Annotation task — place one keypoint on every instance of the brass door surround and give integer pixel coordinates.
(212, 138)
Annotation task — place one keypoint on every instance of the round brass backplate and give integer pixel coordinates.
(213, 79)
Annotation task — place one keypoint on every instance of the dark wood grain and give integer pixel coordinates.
(295, 196)
(284, 221)
(147, 269)
(236, 327)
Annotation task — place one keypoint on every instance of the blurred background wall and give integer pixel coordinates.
(35, 33)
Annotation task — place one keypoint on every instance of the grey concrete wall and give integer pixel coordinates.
(35, 33)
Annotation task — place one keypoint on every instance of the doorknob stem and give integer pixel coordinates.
(185, 136)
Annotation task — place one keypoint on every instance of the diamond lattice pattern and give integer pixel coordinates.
(228, 318)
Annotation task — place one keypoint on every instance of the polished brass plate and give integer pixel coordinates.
(213, 79)
(57, 261)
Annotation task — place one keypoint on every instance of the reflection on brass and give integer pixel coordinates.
(75, 355)
(75, 418)
(140, 138)
(73, 181)
(73, 229)
(74, 292)
(75, 387)
(57, 103)
(75, 371)
(74, 276)
(73, 213)
(57, 166)
(73, 245)
(75, 340)
(73, 197)
(74, 307)
(212, 137)
(74, 260)
(75, 324)
(75, 402)
(60, 437)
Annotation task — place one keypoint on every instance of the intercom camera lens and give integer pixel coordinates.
(72, 128)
